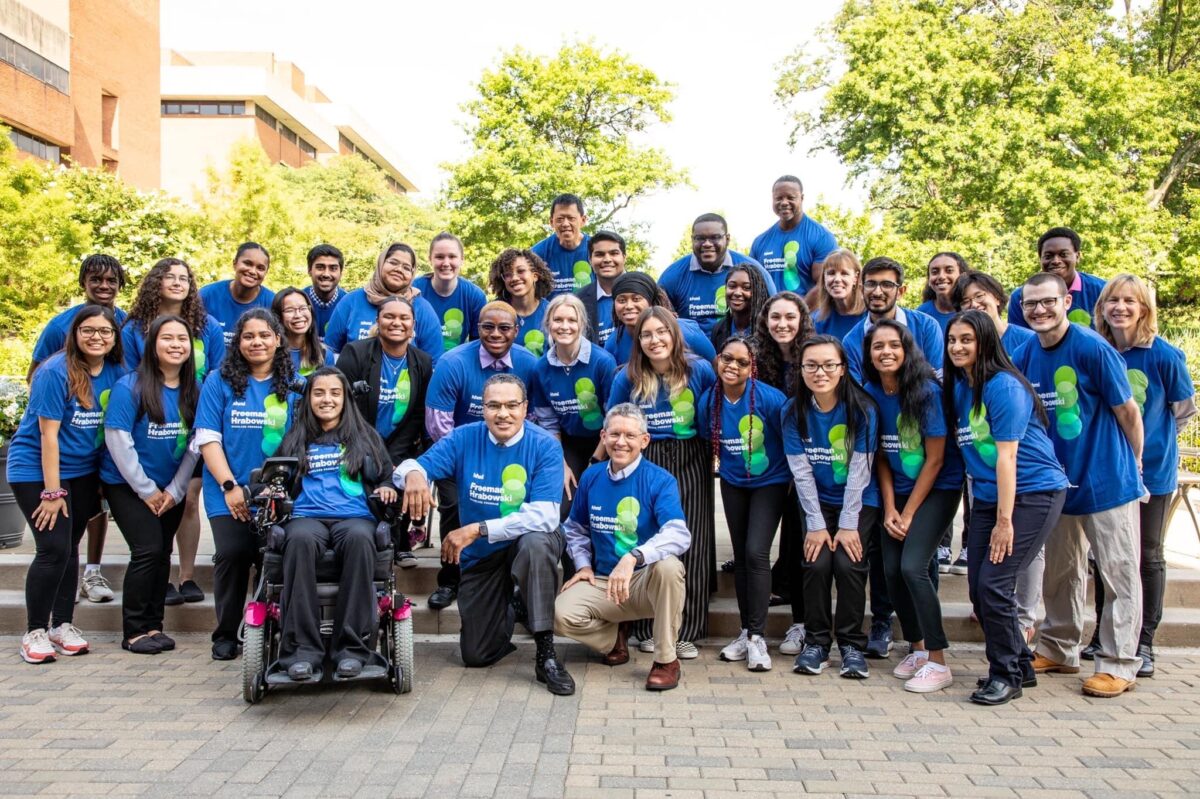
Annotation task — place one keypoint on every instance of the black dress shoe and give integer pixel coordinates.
(173, 596)
(1027, 682)
(995, 692)
(224, 650)
(190, 591)
(443, 597)
(555, 676)
(1147, 655)
(300, 672)
(1089, 651)
(349, 668)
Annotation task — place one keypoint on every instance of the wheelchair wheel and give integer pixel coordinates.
(254, 684)
(402, 652)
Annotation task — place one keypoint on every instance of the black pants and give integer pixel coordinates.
(150, 539)
(821, 624)
(992, 584)
(906, 565)
(881, 602)
(1153, 567)
(530, 562)
(787, 575)
(52, 579)
(236, 552)
(447, 502)
(578, 451)
(753, 514)
(354, 620)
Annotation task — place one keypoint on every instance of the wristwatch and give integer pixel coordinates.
(638, 557)
(228, 486)
(483, 530)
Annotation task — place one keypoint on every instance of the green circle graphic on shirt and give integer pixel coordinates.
(103, 409)
(512, 488)
(981, 435)
(719, 300)
(452, 328)
(180, 441)
(201, 358)
(589, 404)
(1080, 317)
(751, 428)
(351, 487)
(1139, 382)
(276, 410)
(583, 273)
(683, 410)
(1067, 419)
(535, 342)
(841, 454)
(791, 275)
(912, 447)
(627, 524)
(403, 395)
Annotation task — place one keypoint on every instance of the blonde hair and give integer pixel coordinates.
(826, 305)
(572, 302)
(1147, 324)
(644, 380)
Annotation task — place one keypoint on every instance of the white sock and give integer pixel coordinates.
(91, 567)
(921, 653)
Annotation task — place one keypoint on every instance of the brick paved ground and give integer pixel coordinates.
(117, 724)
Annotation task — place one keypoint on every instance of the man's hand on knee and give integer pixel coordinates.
(582, 575)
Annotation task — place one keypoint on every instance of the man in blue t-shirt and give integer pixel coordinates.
(695, 283)
(606, 252)
(510, 474)
(1059, 253)
(566, 250)
(883, 286)
(1097, 433)
(325, 264)
(793, 248)
(625, 535)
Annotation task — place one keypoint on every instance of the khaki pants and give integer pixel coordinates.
(1116, 546)
(582, 612)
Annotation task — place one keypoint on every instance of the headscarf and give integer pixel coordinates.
(377, 291)
(637, 283)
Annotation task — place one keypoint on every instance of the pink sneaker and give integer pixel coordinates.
(911, 664)
(929, 678)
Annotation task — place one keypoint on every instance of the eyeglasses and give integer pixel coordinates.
(299, 311)
(1046, 302)
(175, 279)
(829, 368)
(886, 285)
(492, 327)
(650, 335)
(92, 332)
(742, 363)
(716, 238)
(495, 407)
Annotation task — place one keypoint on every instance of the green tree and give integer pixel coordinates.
(542, 126)
(977, 124)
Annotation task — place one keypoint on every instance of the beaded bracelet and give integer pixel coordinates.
(50, 496)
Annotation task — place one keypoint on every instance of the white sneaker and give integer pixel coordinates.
(646, 646)
(95, 588)
(686, 650)
(736, 650)
(911, 664)
(758, 657)
(793, 640)
(68, 639)
(36, 647)
(929, 678)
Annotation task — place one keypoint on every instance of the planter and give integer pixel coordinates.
(12, 521)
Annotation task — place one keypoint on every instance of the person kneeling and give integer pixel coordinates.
(625, 534)
(342, 460)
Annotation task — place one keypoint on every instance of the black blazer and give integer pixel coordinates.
(363, 360)
(587, 295)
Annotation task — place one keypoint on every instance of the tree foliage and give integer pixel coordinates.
(977, 124)
(543, 126)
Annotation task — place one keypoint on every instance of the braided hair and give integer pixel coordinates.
(759, 293)
(718, 397)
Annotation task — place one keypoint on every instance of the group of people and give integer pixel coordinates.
(567, 431)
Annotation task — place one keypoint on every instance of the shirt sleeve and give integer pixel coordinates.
(130, 347)
(1107, 369)
(49, 341)
(605, 372)
(1015, 315)
(429, 330)
(444, 387)
(546, 418)
(857, 480)
(210, 410)
(540, 513)
(620, 389)
(48, 394)
(806, 490)
(770, 281)
(214, 345)
(1009, 409)
(336, 330)
(576, 527)
(438, 461)
(438, 424)
(852, 344)
(699, 343)
(124, 454)
(183, 475)
(934, 348)
(673, 537)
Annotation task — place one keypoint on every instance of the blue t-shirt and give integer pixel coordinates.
(571, 268)
(330, 360)
(578, 394)
(529, 329)
(903, 442)
(604, 318)
(160, 447)
(458, 314)
(1080, 380)
(1083, 302)
(1006, 415)
(81, 434)
(789, 256)
(221, 306)
(925, 330)
(208, 347)
(826, 450)
(930, 309)
(698, 294)
(251, 429)
(457, 384)
(751, 450)
(1158, 375)
(666, 417)
(494, 481)
(620, 343)
(622, 514)
(1014, 338)
(836, 324)
(327, 491)
(355, 316)
(395, 394)
(324, 310)
(54, 335)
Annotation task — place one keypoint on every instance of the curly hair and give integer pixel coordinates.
(236, 372)
(772, 360)
(718, 399)
(759, 293)
(504, 264)
(149, 297)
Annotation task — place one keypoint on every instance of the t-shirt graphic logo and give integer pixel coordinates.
(912, 449)
(841, 453)
(1066, 413)
(1080, 317)
(981, 435)
(719, 299)
(452, 328)
(180, 441)
(1139, 382)
(583, 274)
(791, 276)
(683, 409)
(589, 407)
(751, 427)
(351, 487)
(103, 409)
(201, 359)
(276, 410)
(535, 342)
(627, 524)
(403, 395)
(512, 490)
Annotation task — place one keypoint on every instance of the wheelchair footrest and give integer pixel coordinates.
(368, 673)
(280, 677)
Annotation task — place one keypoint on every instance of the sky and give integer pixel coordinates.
(406, 68)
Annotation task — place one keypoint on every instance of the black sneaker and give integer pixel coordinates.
(443, 597)
(959, 566)
(879, 643)
(173, 595)
(405, 560)
(812, 660)
(191, 592)
(727, 567)
(943, 559)
(1146, 653)
(1089, 651)
(854, 665)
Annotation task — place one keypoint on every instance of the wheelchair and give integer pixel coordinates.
(270, 495)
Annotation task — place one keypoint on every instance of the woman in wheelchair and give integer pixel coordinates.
(343, 464)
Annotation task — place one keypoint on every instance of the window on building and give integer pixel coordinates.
(34, 146)
(110, 122)
(308, 149)
(189, 108)
(288, 134)
(32, 64)
(205, 109)
(266, 117)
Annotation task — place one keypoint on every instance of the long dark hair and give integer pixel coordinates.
(150, 379)
(236, 372)
(149, 298)
(914, 376)
(990, 360)
(718, 397)
(772, 361)
(759, 293)
(850, 395)
(79, 377)
(928, 294)
(362, 448)
(312, 354)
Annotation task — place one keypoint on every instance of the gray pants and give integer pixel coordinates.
(1115, 545)
(485, 594)
(1029, 591)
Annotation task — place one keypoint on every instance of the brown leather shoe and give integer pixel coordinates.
(1044, 665)
(663, 676)
(1106, 685)
(620, 651)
